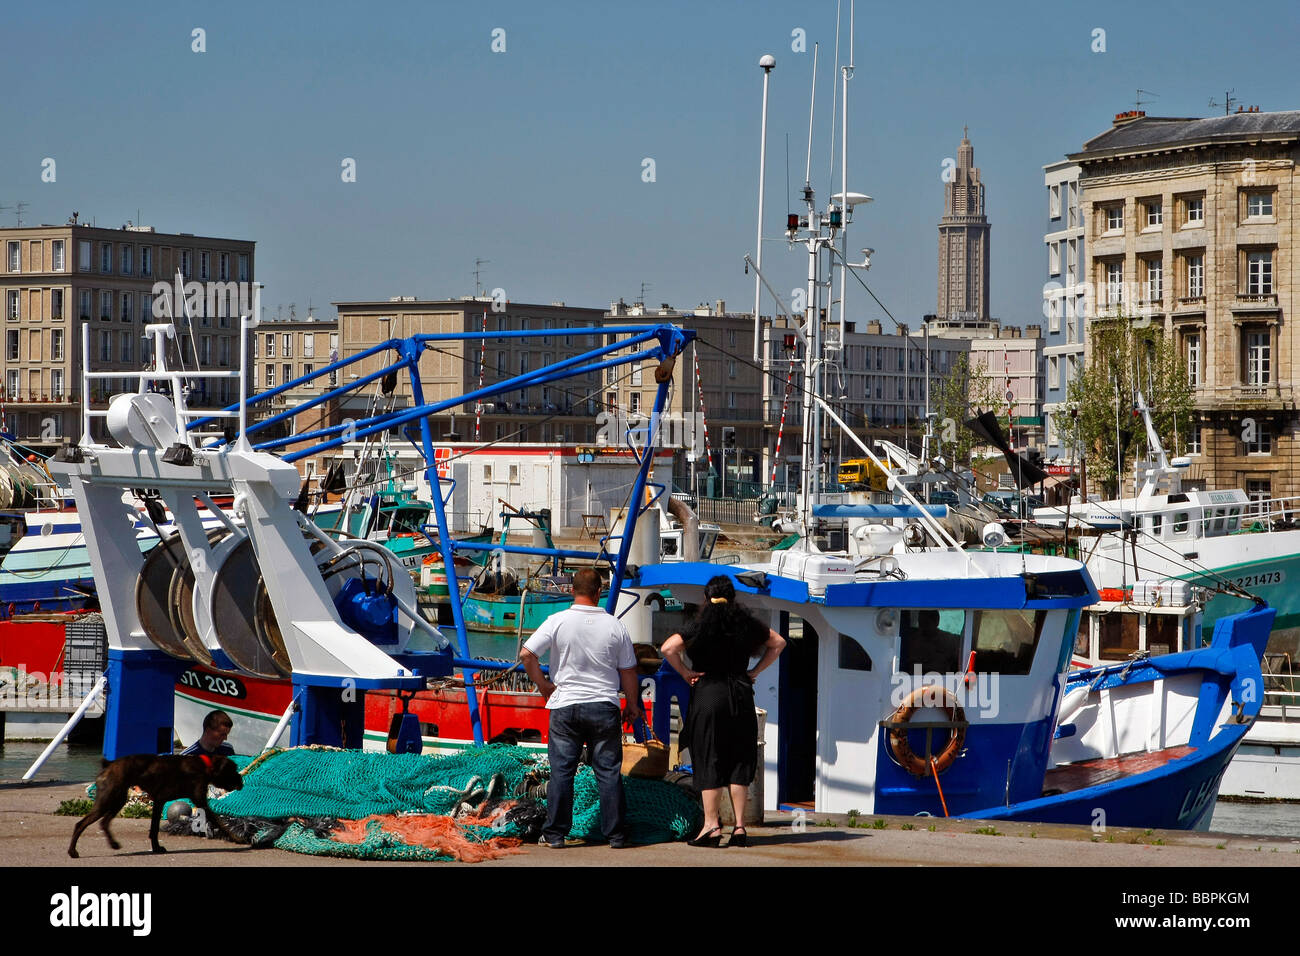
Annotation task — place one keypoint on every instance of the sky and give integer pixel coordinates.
(519, 133)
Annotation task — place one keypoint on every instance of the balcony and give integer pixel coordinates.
(1244, 397)
(35, 400)
(1255, 302)
(1190, 303)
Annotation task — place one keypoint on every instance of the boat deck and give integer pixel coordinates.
(1091, 773)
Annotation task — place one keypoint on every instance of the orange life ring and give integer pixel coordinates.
(898, 743)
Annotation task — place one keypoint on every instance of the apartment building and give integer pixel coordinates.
(564, 412)
(1190, 224)
(56, 280)
(1064, 295)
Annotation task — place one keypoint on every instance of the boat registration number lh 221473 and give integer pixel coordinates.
(1260, 579)
(214, 684)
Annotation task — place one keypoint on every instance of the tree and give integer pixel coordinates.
(1101, 405)
(966, 391)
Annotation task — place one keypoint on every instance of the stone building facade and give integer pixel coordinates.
(56, 279)
(1191, 225)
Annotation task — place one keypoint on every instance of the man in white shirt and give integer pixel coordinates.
(591, 659)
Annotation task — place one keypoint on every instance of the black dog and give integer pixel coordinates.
(163, 778)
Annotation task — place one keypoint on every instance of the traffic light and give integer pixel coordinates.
(728, 437)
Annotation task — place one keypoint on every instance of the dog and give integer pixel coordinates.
(163, 778)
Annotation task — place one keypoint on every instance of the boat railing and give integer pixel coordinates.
(1272, 513)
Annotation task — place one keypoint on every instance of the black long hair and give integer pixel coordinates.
(720, 618)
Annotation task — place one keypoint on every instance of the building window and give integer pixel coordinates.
(286, 343)
(1114, 218)
(334, 346)
(1195, 277)
(83, 255)
(225, 267)
(56, 255)
(1263, 441)
(106, 257)
(243, 267)
(146, 261)
(1054, 201)
(1194, 359)
(1072, 262)
(309, 345)
(187, 263)
(1053, 372)
(1259, 205)
(56, 303)
(205, 351)
(85, 305)
(106, 346)
(11, 345)
(634, 403)
(14, 257)
(56, 383)
(225, 350)
(1054, 315)
(287, 371)
(1195, 211)
(1258, 358)
(1155, 279)
(126, 307)
(205, 261)
(1259, 273)
(270, 345)
(270, 376)
(1114, 283)
(56, 345)
(1258, 490)
(146, 307)
(124, 345)
(128, 260)
(307, 369)
(1054, 258)
(1155, 211)
(106, 306)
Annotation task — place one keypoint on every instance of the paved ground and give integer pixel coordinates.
(31, 836)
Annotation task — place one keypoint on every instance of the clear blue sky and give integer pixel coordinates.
(532, 158)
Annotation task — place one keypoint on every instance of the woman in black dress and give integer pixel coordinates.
(721, 726)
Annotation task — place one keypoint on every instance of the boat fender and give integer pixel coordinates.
(1071, 704)
(902, 749)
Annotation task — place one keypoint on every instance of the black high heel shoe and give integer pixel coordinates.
(711, 838)
(739, 837)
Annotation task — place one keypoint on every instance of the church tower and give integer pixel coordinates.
(964, 242)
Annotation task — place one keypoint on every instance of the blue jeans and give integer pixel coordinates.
(599, 725)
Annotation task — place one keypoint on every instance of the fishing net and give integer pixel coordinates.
(477, 804)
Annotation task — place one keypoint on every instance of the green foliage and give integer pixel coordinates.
(963, 393)
(1123, 359)
(80, 807)
(988, 831)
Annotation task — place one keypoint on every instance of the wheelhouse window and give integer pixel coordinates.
(931, 640)
(1005, 640)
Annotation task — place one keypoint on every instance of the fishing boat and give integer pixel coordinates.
(270, 605)
(921, 677)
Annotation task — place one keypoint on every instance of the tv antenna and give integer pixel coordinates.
(1138, 101)
(645, 287)
(1228, 100)
(18, 208)
(478, 268)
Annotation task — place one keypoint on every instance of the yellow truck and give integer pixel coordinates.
(862, 473)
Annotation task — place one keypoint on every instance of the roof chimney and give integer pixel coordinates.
(1129, 116)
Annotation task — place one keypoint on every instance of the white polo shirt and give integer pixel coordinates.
(588, 646)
